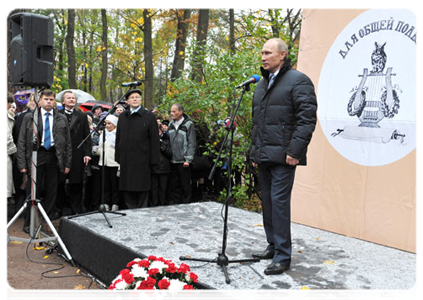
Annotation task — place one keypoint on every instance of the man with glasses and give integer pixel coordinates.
(137, 150)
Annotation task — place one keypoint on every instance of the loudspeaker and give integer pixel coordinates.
(31, 50)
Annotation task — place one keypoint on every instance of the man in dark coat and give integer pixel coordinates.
(54, 149)
(284, 118)
(137, 151)
(79, 130)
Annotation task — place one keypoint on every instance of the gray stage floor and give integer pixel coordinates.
(321, 259)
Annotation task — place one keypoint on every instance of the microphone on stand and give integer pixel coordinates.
(253, 79)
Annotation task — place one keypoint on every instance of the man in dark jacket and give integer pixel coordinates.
(284, 118)
(54, 149)
(137, 151)
(160, 173)
(79, 130)
(183, 143)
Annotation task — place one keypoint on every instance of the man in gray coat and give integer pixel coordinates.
(284, 118)
(183, 143)
(53, 145)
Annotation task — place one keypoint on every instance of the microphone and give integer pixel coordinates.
(134, 83)
(253, 79)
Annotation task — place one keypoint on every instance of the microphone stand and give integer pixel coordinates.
(102, 207)
(222, 260)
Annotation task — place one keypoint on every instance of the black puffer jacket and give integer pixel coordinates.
(284, 117)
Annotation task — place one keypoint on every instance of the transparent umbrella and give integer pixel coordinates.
(81, 96)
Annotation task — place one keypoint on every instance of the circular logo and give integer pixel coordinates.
(367, 88)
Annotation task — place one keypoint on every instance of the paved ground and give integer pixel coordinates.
(321, 261)
(24, 267)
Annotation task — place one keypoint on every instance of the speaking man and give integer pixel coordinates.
(284, 118)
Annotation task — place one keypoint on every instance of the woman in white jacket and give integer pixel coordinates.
(111, 178)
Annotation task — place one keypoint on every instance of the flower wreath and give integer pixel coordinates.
(154, 273)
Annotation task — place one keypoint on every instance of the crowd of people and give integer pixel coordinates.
(147, 161)
(125, 158)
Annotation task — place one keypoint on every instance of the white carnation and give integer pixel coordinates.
(121, 285)
(176, 285)
(138, 271)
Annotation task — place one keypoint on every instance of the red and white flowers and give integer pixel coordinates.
(154, 273)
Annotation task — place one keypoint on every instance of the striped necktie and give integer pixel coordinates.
(271, 79)
(47, 136)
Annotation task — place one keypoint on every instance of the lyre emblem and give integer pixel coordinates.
(373, 99)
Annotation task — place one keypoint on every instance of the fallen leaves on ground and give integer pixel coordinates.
(79, 287)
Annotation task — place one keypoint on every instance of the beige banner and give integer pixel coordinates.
(376, 204)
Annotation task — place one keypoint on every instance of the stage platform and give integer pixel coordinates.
(321, 260)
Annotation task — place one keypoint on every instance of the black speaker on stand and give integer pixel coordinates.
(31, 50)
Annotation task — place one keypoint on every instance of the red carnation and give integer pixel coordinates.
(124, 272)
(150, 281)
(193, 277)
(152, 257)
(153, 272)
(188, 290)
(183, 268)
(130, 264)
(172, 268)
(127, 276)
(144, 263)
(133, 295)
(147, 284)
(163, 284)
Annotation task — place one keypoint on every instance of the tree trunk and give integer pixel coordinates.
(71, 50)
(8, 13)
(180, 44)
(103, 79)
(202, 28)
(232, 31)
(148, 58)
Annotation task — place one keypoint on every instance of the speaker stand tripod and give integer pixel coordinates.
(34, 220)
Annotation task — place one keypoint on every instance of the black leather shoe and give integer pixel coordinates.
(267, 254)
(276, 269)
(26, 229)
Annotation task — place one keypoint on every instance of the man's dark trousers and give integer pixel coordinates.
(276, 181)
(47, 174)
(180, 179)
